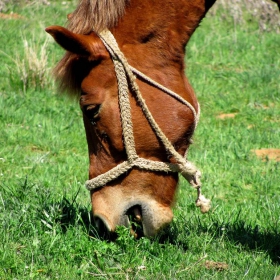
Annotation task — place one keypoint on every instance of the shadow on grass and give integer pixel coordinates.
(250, 237)
(71, 214)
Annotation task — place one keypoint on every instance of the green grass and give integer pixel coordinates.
(45, 220)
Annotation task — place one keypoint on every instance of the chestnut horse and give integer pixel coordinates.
(125, 61)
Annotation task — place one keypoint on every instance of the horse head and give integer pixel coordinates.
(137, 139)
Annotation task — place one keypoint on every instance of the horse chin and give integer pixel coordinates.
(142, 214)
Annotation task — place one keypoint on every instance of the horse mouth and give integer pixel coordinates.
(131, 219)
(142, 219)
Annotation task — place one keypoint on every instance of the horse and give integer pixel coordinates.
(124, 60)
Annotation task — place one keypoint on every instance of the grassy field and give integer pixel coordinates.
(45, 221)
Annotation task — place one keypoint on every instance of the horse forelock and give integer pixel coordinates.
(96, 15)
(90, 15)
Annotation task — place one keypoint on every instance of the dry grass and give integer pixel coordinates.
(4, 3)
(31, 66)
(265, 11)
(268, 154)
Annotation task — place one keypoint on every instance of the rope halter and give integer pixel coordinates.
(126, 78)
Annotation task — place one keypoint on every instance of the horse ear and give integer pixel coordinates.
(84, 45)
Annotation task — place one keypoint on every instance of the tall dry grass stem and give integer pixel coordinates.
(31, 66)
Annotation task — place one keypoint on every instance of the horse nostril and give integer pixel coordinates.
(135, 218)
(102, 228)
(99, 224)
(134, 213)
(137, 213)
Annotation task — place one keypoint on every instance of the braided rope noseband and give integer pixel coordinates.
(124, 74)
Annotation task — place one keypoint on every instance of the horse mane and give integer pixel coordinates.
(96, 15)
(89, 15)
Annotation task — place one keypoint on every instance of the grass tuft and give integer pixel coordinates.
(31, 67)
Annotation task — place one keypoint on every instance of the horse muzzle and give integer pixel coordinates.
(112, 207)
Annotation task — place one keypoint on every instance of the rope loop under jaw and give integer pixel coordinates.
(126, 78)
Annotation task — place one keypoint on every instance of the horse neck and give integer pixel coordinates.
(168, 23)
(153, 35)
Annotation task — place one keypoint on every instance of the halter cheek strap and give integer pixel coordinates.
(126, 78)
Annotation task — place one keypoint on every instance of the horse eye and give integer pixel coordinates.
(92, 112)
